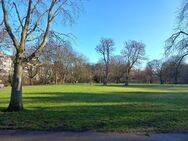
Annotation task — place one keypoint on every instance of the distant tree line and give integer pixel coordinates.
(59, 64)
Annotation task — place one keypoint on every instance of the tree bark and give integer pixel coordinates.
(127, 80)
(16, 93)
(161, 80)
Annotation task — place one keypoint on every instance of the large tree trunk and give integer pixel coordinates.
(176, 80)
(161, 80)
(127, 80)
(176, 77)
(16, 93)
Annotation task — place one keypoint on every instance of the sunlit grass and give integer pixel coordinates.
(137, 108)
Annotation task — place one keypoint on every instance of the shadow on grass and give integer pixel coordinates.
(114, 111)
(132, 85)
(120, 98)
(96, 118)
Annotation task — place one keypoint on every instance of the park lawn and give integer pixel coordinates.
(113, 108)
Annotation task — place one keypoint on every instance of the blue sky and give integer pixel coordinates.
(149, 21)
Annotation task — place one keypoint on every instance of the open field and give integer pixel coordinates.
(137, 108)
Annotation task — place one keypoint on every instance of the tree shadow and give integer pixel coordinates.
(107, 111)
(132, 85)
(96, 118)
(175, 98)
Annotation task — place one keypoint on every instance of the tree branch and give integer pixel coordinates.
(58, 10)
(171, 41)
(35, 6)
(25, 28)
(8, 28)
(45, 37)
(18, 14)
(37, 22)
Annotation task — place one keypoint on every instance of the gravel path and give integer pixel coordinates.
(19, 135)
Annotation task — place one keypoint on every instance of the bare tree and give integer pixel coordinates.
(117, 69)
(105, 48)
(30, 21)
(177, 44)
(178, 61)
(134, 53)
(157, 66)
(32, 69)
(149, 73)
(171, 68)
(98, 72)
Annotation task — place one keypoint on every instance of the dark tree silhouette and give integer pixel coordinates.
(177, 44)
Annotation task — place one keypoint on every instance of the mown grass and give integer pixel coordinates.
(137, 108)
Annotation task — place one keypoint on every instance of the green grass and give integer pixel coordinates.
(114, 108)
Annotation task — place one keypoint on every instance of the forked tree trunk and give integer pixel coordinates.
(16, 93)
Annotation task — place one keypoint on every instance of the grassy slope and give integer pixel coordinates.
(137, 108)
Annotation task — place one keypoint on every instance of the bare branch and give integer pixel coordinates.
(35, 6)
(8, 28)
(18, 14)
(171, 42)
(58, 10)
(25, 28)
(42, 45)
(37, 22)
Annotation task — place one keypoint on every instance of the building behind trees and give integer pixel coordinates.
(5, 68)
